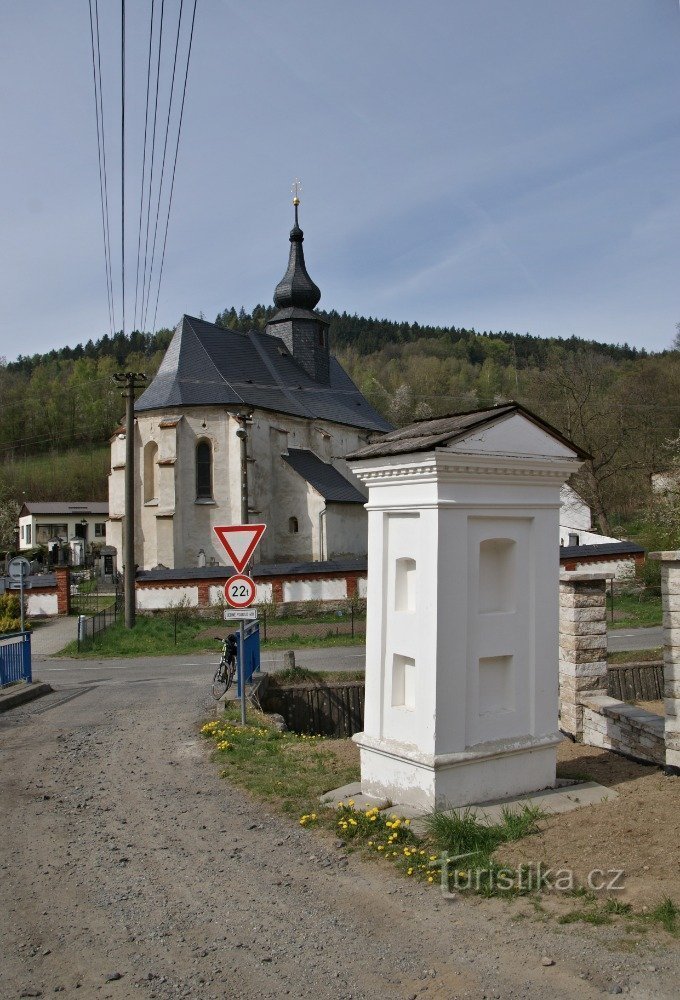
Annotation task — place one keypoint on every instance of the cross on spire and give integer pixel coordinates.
(296, 191)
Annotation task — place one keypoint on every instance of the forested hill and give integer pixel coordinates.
(363, 334)
(619, 403)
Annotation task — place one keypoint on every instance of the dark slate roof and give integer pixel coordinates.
(325, 478)
(296, 289)
(208, 366)
(620, 549)
(64, 507)
(424, 435)
(357, 565)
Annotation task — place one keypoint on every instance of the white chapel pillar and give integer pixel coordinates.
(462, 631)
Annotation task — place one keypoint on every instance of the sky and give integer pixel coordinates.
(480, 163)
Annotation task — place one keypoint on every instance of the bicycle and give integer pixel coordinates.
(226, 670)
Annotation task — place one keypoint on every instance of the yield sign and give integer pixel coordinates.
(240, 541)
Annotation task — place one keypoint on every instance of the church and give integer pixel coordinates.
(301, 413)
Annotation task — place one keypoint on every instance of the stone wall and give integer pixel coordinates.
(627, 729)
(290, 590)
(586, 711)
(583, 646)
(670, 599)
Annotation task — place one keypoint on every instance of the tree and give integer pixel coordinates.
(9, 519)
(675, 346)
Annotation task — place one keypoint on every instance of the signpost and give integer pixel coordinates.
(20, 568)
(239, 542)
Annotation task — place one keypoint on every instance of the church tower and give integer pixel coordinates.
(302, 330)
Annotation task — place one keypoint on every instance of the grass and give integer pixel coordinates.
(301, 675)
(635, 610)
(288, 770)
(636, 655)
(155, 636)
(665, 914)
(460, 834)
(292, 771)
(150, 637)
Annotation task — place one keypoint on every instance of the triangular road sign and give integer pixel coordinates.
(240, 541)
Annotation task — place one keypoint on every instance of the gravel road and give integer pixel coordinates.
(129, 868)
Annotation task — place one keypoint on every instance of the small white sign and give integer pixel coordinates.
(18, 568)
(240, 614)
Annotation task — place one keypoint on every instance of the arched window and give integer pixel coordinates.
(293, 525)
(150, 472)
(204, 488)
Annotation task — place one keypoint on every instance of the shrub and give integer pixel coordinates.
(9, 605)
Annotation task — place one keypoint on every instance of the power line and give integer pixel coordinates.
(122, 152)
(141, 197)
(101, 159)
(153, 156)
(174, 166)
(165, 148)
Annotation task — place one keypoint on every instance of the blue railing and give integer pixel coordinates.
(15, 658)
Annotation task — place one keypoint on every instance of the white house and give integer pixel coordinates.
(581, 547)
(302, 412)
(58, 523)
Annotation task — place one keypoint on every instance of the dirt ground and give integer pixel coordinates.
(638, 832)
(128, 868)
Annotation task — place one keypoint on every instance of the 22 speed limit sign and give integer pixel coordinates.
(239, 591)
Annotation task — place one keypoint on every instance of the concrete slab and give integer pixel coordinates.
(353, 792)
(19, 694)
(566, 796)
(550, 801)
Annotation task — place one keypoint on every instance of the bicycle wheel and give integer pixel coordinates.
(220, 682)
(230, 671)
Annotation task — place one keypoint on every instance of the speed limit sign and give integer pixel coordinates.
(239, 591)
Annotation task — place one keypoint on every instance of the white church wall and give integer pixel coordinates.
(173, 527)
(38, 605)
(263, 593)
(346, 525)
(314, 590)
(163, 598)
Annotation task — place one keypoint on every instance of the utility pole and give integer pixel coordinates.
(131, 381)
(242, 435)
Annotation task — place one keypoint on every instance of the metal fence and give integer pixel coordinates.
(319, 709)
(350, 622)
(15, 658)
(90, 626)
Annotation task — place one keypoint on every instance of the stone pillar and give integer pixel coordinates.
(670, 602)
(462, 628)
(583, 645)
(204, 593)
(63, 575)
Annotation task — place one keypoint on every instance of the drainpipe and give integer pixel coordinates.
(322, 519)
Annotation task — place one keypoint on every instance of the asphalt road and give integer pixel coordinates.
(634, 638)
(123, 854)
(336, 658)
